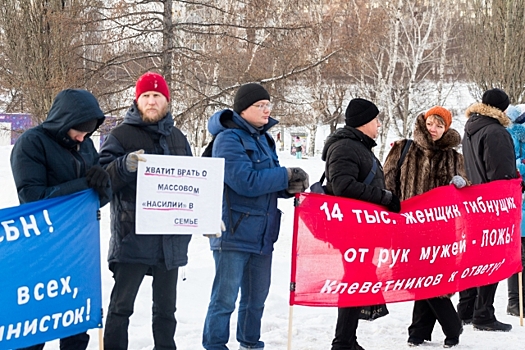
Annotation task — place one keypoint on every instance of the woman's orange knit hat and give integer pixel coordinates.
(443, 113)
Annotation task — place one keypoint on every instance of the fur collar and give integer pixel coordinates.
(488, 111)
(450, 139)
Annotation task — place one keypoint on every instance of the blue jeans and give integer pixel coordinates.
(251, 273)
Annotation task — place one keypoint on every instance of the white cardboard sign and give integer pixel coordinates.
(179, 195)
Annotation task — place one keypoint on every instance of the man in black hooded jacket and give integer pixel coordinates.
(488, 151)
(58, 158)
(353, 171)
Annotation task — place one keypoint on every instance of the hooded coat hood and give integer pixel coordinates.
(484, 115)
(71, 107)
(46, 162)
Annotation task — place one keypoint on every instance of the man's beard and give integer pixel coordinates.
(156, 118)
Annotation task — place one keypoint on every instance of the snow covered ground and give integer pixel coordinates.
(312, 329)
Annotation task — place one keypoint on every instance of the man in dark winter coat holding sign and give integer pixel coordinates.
(57, 158)
(353, 171)
(489, 155)
(147, 128)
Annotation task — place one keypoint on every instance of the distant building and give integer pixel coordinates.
(12, 125)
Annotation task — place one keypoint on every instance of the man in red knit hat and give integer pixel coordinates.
(147, 128)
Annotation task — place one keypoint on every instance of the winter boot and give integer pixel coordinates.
(513, 306)
(495, 326)
(450, 342)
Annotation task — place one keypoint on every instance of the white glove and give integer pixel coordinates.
(216, 235)
(458, 181)
(132, 160)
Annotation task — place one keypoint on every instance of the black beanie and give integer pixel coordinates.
(359, 112)
(496, 98)
(87, 126)
(247, 95)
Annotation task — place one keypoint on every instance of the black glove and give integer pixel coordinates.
(296, 187)
(298, 180)
(296, 174)
(522, 186)
(391, 201)
(98, 179)
(395, 204)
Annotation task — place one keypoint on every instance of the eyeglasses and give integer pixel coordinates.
(263, 106)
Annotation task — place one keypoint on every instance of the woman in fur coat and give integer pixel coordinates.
(431, 161)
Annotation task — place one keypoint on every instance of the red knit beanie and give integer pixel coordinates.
(443, 113)
(151, 82)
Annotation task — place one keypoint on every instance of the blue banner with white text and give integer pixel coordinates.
(50, 256)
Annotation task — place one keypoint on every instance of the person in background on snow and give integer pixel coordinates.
(253, 180)
(147, 128)
(517, 132)
(431, 161)
(489, 155)
(349, 160)
(57, 158)
(298, 144)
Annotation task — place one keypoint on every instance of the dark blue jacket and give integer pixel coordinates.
(159, 138)
(46, 162)
(517, 132)
(253, 181)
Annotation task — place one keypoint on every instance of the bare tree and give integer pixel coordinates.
(494, 47)
(397, 64)
(42, 47)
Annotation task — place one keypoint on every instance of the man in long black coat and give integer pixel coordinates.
(350, 173)
(489, 155)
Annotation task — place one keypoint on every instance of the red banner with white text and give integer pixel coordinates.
(353, 253)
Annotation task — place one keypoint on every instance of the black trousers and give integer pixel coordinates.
(478, 304)
(346, 328)
(128, 278)
(513, 281)
(75, 342)
(427, 312)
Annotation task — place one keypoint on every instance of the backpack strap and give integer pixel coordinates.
(404, 153)
(229, 124)
(369, 177)
(372, 173)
